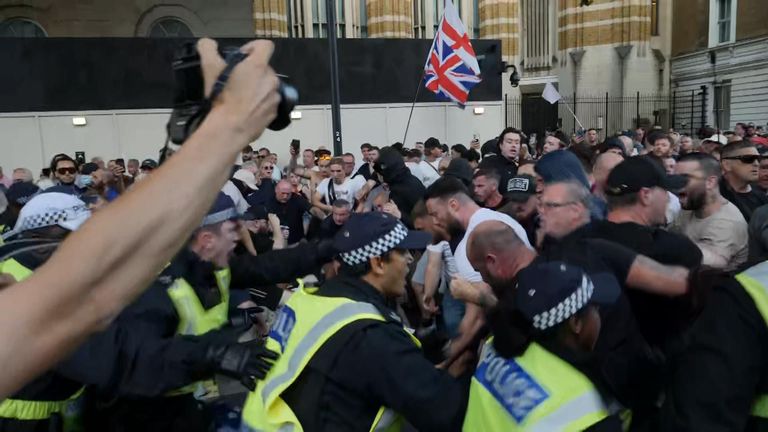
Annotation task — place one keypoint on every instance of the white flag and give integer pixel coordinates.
(550, 94)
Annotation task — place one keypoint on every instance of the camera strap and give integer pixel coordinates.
(233, 59)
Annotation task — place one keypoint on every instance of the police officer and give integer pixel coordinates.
(347, 362)
(720, 381)
(183, 319)
(533, 374)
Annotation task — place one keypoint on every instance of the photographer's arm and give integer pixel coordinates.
(114, 256)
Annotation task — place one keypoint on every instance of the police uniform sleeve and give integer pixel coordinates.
(715, 380)
(383, 362)
(123, 361)
(276, 266)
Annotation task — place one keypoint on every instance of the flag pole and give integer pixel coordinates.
(573, 114)
(421, 83)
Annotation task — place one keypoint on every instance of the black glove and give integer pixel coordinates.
(246, 362)
(246, 317)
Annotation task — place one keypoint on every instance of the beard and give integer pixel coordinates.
(454, 228)
(695, 200)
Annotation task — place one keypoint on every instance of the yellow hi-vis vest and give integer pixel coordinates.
(303, 325)
(195, 320)
(536, 391)
(755, 283)
(69, 409)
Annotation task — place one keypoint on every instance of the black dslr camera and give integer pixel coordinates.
(190, 106)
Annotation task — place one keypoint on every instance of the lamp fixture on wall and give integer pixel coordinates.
(295, 115)
(479, 110)
(79, 121)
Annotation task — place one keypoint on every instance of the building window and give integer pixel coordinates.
(319, 24)
(21, 27)
(722, 104)
(341, 19)
(296, 18)
(438, 13)
(722, 22)
(419, 21)
(476, 19)
(363, 19)
(170, 28)
(655, 17)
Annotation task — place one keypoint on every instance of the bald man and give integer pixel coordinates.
(604, 164)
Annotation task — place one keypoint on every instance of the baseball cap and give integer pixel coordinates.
(223, 209)
(548, 293)
(21, 193)
(520, 188)
(718, 138)
(148, 163)
(613, 142)
(257, 212)
(368, 235)
(247, 178)
(636, 173)
(48, 209)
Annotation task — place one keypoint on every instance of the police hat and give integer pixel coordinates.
(368, 235)
(223, 209)
(549, 293)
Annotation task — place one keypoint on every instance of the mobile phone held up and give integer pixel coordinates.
(296, 144)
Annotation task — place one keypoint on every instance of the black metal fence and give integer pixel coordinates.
(683, 111)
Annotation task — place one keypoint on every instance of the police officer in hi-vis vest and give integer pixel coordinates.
(124, 359)
(346, 361)
(534, 374)
(185, 321)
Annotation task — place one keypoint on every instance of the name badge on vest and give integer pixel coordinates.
(283, 326)
(515, 390)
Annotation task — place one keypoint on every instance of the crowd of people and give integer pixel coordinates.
(565, 283)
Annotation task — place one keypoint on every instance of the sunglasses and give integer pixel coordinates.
(324, 157)
(268, 168)
(63, 171)
(746, 159)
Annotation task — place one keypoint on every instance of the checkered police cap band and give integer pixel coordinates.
(376, 248)
(566, 308)
(221, 216)
(49, 218)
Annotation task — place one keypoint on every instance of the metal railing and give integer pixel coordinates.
(683, 111)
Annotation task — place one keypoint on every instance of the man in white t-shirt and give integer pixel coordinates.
(337, 186)
(449, 203)
(430, 165)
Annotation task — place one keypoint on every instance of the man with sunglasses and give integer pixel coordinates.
(711, 221)
(741, 165)
(64, 170)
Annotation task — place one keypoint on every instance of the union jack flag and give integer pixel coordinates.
(451, 69)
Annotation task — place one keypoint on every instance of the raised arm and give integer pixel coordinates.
(114, 256)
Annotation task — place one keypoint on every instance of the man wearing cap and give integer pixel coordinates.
(709, 220)
(347, 362)
(126, 359)
(741, 163)
(191, 297)
(536, 372)
(147, 166)
(521, 202)
(637, 201)
(713, 144)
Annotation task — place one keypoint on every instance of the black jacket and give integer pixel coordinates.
(405, 189)
(139, 356)
(369, 364)
(723, 368)
(503, 166)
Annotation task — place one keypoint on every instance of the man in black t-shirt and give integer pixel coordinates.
(741, 163)
(636, 191)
